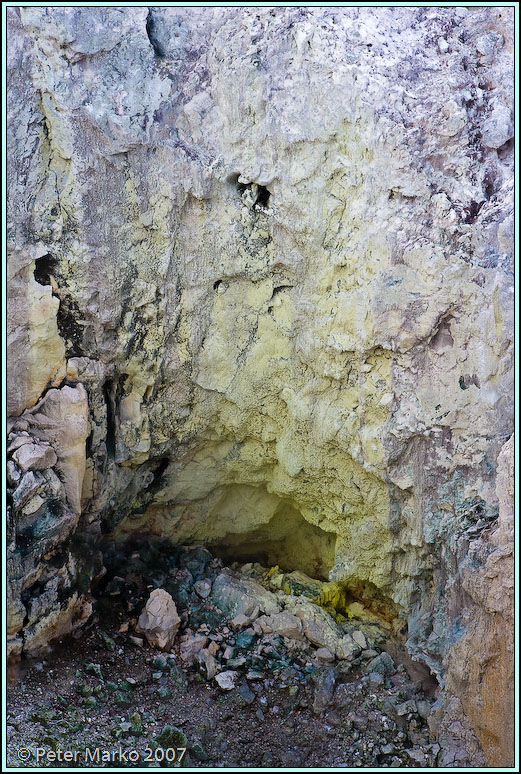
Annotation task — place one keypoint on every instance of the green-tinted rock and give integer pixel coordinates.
(108, 641)
(136, 724)
(122, 698)
(244, 640)
(164, 692)
(160, 662)
(197, 751)
(51, 741)
(171, 736)
(178, 678)
(382, 664)
(44, 716)
(301, 584)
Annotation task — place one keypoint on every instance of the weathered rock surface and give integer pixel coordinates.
(260, 296)
(480, 666)
(33, 456)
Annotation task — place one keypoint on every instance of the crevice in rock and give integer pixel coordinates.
(155, 475)
(506, 150)
(152, 36)
(110, 440)
(263, 196)
(472, 211)
(254, 195)
(279, 289)
(69, 328)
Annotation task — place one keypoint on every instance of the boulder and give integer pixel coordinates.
(286, 624)
(159, 621)
(234, 596)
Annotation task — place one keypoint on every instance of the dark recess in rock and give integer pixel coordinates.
(151, 33)
(70, 330)
(43, 268)
(110, 440)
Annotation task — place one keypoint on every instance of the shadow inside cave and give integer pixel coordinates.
(287, 540)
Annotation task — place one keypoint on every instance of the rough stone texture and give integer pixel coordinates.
(480, 667)
(36, 350)
(159, 621)
(270, 253)
(32, 456)
(235, 597)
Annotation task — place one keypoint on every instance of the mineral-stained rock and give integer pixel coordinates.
(383, 664)
(317, 626)
(273, 262)
(234, 596)
(159, 621)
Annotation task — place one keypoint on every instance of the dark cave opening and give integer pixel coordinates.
(286, 540)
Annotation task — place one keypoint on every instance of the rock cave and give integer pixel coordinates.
(260, 365)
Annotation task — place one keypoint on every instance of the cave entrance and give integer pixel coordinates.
(286, 540)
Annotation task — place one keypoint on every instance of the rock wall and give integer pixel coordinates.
(261, 297)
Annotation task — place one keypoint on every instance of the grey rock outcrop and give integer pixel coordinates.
(260, 288)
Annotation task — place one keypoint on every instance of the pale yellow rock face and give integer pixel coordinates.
(35, 351)
(283, 275)
(62, 417)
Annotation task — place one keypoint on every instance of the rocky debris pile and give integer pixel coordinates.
(240, 672)
(255, 619)
(243, 630)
